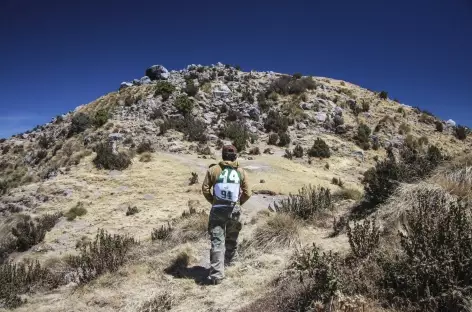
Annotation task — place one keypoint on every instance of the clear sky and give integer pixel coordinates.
(56, 54)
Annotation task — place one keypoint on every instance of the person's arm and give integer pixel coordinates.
(206, 187)
(246, 191)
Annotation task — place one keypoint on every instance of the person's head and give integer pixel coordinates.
(229, 153)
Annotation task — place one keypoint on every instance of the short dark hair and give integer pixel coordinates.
(229, 153)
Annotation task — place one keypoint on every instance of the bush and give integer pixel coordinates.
(184, 104)
(363, 136)
(363, 238)
(234, 116)
(365, 106)
(164, 89)
(291, 85)
(105, 158)
(3, 187)
(144, 146)
(19, 278)
(45, 141)
(193, 179)
(439, 126)
(193, 129)
(319, 149)
(29, 232)
(338, 182)
(433, 270)
(273, 139)
(298, 151)
(404, 129)
(276, 122)
(162, 233)
(460, 132)
(297, 76)
(262, 102)
(105, 254)
(348, 193)
(101, 117)
(76, 211)
(383, 95)
(190, 88)
(309, 203)
(132, 210)
(239, 134)
(80, 123)
(423, 141)
(288, 154)
(284, 139)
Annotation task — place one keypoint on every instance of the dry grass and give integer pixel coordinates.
(279, 231)
(458, 182)
(348, 193)
(394, 210)
(145, 157)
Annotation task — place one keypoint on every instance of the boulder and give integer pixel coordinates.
(338, 111)
(306, 106)
(301, 126)
(254, 113)
(145, 80)
(221, 91)
(321, 117)
(125, 85)
(451, 123)
(157, 72)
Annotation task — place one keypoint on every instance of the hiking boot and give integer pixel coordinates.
(211, 281)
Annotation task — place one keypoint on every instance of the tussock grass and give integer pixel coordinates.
(349, 193)
(76, 211)
(458, 182)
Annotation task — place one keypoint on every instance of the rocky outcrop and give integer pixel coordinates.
(157, 72)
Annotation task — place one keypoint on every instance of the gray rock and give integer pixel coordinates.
(221, 91)
(115, 136)
(145, 80)
(157, 72)
(306, 106)
(321, 117)
(359, 154)
(125, 85)
(254, 113)
(341, 129)
(338, 111)
(301, 126)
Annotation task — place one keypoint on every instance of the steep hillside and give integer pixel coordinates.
(131, 163)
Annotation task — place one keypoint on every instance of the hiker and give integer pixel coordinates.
(230, 191)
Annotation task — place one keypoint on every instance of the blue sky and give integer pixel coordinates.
(56, 55)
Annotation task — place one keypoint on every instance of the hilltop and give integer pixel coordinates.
(131, 163)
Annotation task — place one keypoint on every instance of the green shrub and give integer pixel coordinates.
(190, 88)
(106, 159)
(3, 187)
(100, 117)
(273, 139)
(276, 122)
(105, 254)
(262, 102)
(76, 211)
(162, 233)
(193, 129)
(298, 151)
(80, 123)
(29, 232)
(310, 202)
(365, 106)
(288, 154)
(184, 104)
(383, 95)
(290, 85)
(132, 210)
(432, 272)
(297, 75)
(239, 134)
(363, 136)
(193, 179)
(45, 141)
(145, 146)
(164, 89)
(19, 278)
(319, 149)
(460, 133)
(363, 238)
(284, 139)
(234, 115)
(439, 126)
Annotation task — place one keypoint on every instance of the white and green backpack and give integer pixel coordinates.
(227, 188)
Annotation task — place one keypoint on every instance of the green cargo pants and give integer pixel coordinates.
(224, 226)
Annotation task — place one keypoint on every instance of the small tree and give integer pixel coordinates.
(284, 139)
(80, 123)
(461, 133)
(184, 104)
(319, 149)
(383, 95)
